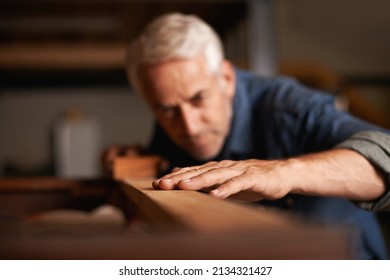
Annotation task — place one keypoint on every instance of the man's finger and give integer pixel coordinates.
(232, 186)
(209, 178)
(170, 180)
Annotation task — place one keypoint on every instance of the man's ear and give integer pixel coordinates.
(228, 78)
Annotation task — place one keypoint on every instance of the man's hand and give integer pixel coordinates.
(338, 173)
(248, 180)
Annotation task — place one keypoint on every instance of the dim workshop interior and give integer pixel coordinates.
(62, 71)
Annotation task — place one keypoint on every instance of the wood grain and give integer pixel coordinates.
(174, 225)
(136, 167)
(200, 212)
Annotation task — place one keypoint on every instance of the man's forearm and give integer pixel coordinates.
(375, 147)
(340, 172)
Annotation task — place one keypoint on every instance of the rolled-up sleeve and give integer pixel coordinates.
(375, 147)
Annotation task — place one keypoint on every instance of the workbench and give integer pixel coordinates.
(53, 218)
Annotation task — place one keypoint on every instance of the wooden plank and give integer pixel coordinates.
(200, 212)
(136, 167)
(266, 244)
(22, 196)
(50, 184)
(187, 225)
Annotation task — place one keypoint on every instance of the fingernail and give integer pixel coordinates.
(186, 180)
(167, 180)
(166, 184)
(215, 192)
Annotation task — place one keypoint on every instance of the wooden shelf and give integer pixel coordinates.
(42, 34)
(62, 56)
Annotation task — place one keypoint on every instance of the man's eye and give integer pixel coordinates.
(166, 110)
(197, 99)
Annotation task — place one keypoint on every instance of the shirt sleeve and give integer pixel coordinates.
(375, 147)
(297, 120)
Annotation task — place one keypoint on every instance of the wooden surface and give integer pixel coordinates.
(136, 167)
(160, 225)
(198, 211)
(268, 244)
(47, 184)
(20, 197)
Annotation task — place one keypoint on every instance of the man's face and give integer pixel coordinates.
(192, 105)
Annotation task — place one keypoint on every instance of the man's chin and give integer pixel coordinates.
(203, 156)
(201, 152)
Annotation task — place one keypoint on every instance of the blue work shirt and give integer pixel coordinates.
(276, 118)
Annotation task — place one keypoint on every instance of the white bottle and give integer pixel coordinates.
(76, 146)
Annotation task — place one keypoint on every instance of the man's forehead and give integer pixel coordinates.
(197, 60)
(174, 74)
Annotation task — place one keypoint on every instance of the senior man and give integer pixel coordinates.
(271, 141)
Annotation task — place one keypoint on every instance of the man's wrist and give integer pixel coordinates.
(294, 175)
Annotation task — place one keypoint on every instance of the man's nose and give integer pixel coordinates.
(190, 119)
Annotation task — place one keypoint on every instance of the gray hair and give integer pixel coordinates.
(175, 36)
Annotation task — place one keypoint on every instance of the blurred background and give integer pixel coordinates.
(64, 95)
